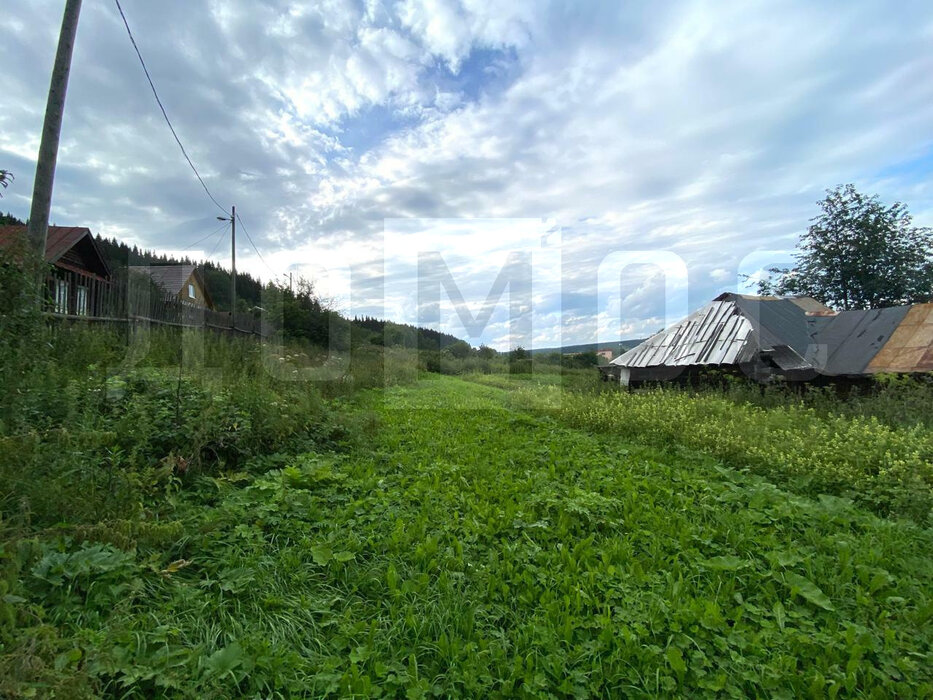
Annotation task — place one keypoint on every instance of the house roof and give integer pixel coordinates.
(716, 334)
(172, 278)
(731, 329)
(59, 240)
(853, 338)
(795, 334)
(910, 346)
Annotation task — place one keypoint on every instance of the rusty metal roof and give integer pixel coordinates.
(910, 346)
(60, 239)
(793, 334)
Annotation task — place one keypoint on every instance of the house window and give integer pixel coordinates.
(81, 300)
(61, 297)
(191, 294)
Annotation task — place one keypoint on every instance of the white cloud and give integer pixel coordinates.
(449, 29)
(703, 129)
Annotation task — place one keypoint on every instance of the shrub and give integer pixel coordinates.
(886, 468)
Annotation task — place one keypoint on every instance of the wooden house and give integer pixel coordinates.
(182, 282)
(80, 280)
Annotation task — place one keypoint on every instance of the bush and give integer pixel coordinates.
(885, 468)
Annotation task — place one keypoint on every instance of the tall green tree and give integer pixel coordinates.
(460, 350)
(859, 254)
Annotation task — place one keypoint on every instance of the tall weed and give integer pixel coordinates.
(886, 468)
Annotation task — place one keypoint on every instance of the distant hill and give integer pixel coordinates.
(617, 348)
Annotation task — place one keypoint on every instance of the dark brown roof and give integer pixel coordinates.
(60, 240)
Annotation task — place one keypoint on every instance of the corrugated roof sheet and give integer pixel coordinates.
(795, 334)
(810, 305)
(779, 322)
(716, 334)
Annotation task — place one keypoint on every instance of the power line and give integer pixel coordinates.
(219, 239)
(212, 233)
(249, 238)
(181, 146)
(164, 114)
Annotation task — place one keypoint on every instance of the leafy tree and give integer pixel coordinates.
(6, 177)
(582, 360)
(859, 254)
(460, 350)
(519, 353)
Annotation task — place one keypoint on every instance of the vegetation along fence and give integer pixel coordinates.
(134, 298)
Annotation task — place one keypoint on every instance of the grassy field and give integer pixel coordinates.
(880, 456)
(456, 539)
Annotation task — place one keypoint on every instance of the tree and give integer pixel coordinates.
(6, 177)
(859, 254)
(519, 353)
(460, 350)
(9, 219)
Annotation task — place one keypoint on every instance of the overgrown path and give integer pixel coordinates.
(505, 553)
(469, 548)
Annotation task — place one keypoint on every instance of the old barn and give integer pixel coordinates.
(793, 338)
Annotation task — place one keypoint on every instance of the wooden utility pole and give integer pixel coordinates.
(233, 265)
(51, 131)
(232, 220)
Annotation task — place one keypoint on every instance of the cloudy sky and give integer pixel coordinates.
(631, 158)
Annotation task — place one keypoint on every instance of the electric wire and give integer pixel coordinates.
(249, 238)
(200, 240)
(217, 244)
(181, 146)
(161, 107)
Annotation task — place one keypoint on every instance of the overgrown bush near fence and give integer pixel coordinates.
(84, 442)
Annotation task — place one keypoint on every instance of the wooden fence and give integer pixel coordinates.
(134, 298)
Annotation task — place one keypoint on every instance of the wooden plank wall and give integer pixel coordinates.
(140, 302)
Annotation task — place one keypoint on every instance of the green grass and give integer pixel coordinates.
(886, 466)
(462, 545)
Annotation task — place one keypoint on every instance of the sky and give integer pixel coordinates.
(608, 167)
